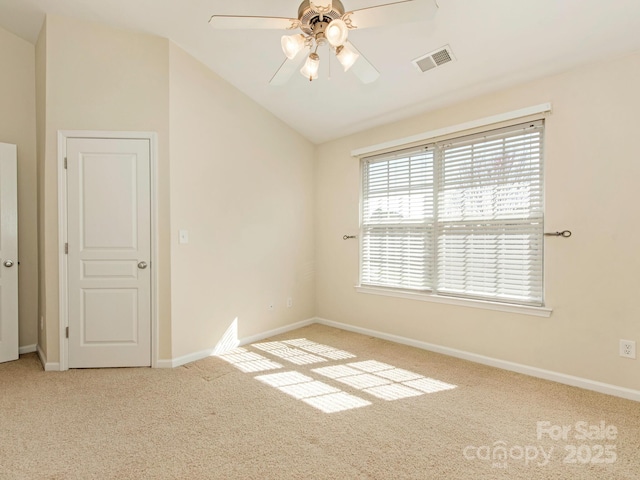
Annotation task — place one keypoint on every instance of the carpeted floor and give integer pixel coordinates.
(316, 403)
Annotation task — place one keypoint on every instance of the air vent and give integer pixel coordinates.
(437, 58)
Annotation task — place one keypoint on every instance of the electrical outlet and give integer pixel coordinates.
(628, 348)
(289, 302)
(41, 323)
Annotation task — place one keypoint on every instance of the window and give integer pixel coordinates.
(462, 217)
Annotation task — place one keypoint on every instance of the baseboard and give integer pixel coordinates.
(192, 357)
(27, 349)
(48, 366)
(494, 362)
(183, 360)
(277, 331)
(164, 364)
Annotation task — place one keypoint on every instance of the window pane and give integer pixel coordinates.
(497, 178)
(460, 218)
(397, 210)
(494, 261)
(399, 190)
(490, 217)
(397, 256)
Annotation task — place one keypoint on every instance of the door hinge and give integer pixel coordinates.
(66, 248)
(67, 330)
(65, 163)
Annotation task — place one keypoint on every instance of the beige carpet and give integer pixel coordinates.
(398, 413)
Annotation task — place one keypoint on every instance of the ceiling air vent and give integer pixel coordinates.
(437, 58)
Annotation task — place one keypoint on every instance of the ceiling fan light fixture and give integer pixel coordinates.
(311, 66)
(346, 56)
(292, 44)
(337, 32)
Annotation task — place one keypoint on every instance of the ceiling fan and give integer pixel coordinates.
(327, 23)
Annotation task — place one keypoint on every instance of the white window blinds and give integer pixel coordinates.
(463, 217)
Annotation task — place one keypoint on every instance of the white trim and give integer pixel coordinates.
(63, 308)
(481, 122)
(183, 360)
(48, 367)
(192, 357)
(152, 137)
(463, 302)
(277, 331)
(155, 250)
(562, 378)
(165, 364)
(27, 349)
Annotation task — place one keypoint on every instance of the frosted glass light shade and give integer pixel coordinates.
(292, 44)
(337, 32)
(346, 56)
(311, 66)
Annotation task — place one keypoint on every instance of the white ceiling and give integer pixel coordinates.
(497, 43)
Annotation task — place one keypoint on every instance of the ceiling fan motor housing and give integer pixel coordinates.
(313, 22)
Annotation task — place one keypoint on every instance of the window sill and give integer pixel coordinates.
(464, 302)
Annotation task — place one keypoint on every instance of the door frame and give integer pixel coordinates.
(10, 325)
(63, 135)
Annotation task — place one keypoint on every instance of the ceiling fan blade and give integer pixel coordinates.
(393, 13)
(288, 68)
(248, 22)
(363, 69)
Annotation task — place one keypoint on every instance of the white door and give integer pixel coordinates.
(109, 252)
(8, 253)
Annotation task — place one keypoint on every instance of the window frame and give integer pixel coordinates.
(432, 295)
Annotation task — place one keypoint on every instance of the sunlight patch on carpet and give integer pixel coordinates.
(320, 349)
(398, 375)
(371, 366)
(336, 402)
(393, 392)
(293, 355)
(309, 390)
(377, 379)
(382, 380)
(284, 378)
(336, 371)
(248, 362)
(313, 392)
(283, 352)
(306, 359)
(258, 366)
(429, 385)
(364, 380)
(291, 349)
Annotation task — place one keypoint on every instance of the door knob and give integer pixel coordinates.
(8, 263)
(142, 265)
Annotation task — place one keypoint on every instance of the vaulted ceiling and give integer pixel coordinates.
(496, 43)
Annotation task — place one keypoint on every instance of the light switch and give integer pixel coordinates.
(184, 236)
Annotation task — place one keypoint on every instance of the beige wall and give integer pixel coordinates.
(99, 78)
(241, 182)
(592, 280)
(18, 126)
(242, 185)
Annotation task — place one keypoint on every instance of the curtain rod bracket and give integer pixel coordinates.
(564, 233)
